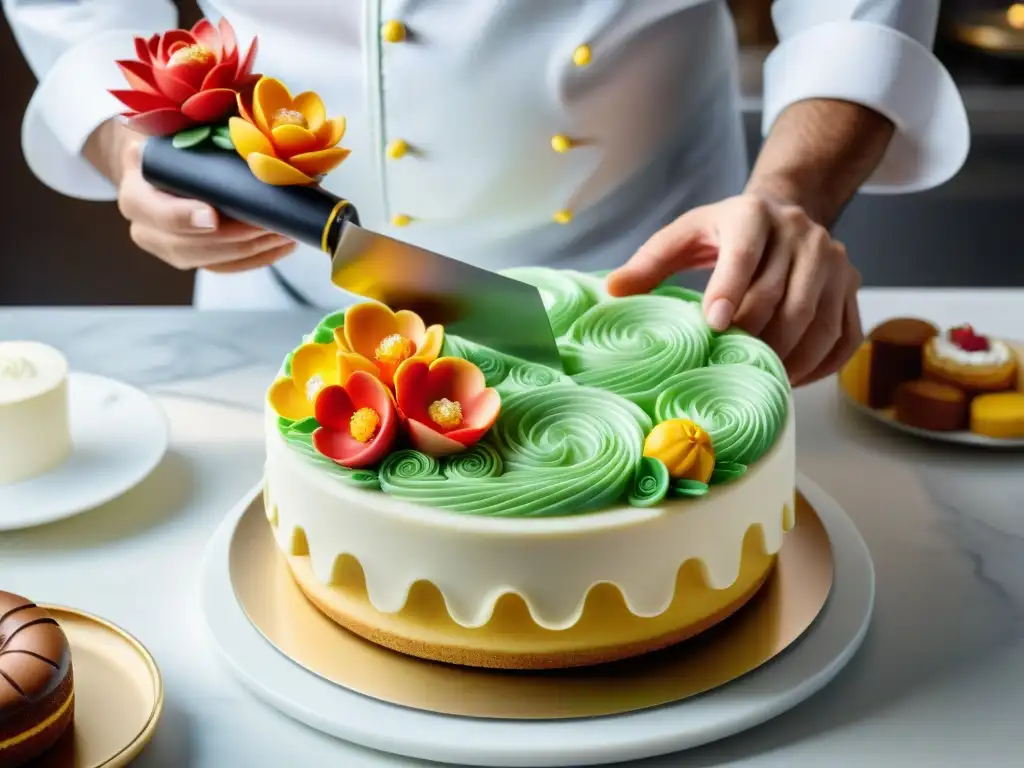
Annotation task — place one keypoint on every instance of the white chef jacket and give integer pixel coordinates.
(644, 91)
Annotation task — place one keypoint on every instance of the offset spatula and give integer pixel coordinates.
(499, 312)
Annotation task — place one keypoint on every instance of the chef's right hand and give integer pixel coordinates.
(188, 234)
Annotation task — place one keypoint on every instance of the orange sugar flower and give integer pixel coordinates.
(287, 141)
(447, 405)
(358, 422)
(377, 341)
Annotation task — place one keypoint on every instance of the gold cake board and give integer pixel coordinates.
(782, 610)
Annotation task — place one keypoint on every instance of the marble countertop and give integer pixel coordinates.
(938, 681)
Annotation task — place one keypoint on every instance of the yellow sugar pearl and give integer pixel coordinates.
(581, 56)
(289, 117)
(563, 217)
(191, 54)
(363, 424)
(400, 220)
(446, 413)
(393, 349)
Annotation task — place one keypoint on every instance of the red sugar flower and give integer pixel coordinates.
(358, 421)
(184, 78)
(447, 404)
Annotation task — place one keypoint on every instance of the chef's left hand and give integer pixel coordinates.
(776, 273)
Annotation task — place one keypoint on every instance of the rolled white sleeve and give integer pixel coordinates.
(876, 53)
(72, 48)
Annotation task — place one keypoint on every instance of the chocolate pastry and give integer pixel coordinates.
(37, 700)
(931, 405)
(896, 356)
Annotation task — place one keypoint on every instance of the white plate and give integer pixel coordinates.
(753, 699)
(959, 437)
(118, 437)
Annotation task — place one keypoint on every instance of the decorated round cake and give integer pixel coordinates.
(450, 502)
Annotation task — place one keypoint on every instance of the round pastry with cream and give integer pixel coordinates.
(446, 501)
(37, 691)
(34, 432)
(975, 363)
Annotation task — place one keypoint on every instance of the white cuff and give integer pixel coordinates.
(70, 102)
(887, 71)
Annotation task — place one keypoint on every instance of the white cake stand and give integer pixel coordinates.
(118, 436)
(776, 687)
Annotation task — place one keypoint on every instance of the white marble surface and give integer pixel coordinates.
(939, 680)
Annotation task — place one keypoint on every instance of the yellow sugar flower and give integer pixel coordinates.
(287, 141)
(314, 366)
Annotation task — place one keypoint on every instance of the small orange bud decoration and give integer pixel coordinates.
(684, 448)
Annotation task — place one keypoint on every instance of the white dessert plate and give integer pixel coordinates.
(769, 691)
(960, 437)
(118, 437)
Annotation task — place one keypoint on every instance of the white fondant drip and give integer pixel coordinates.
(998, 352)
(552, 563)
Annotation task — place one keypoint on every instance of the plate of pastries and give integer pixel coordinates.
(957, 384)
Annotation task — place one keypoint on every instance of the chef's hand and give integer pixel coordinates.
(187, 234)
(775, 273)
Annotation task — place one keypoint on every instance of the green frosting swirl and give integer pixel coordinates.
(530, 376)
(742, 408)
(630, 346)
(493, 365)
(572, 443)
(736, 346)
(650, 483)
(565, 297)
(563, 449)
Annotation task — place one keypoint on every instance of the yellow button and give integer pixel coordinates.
(397, 148)
(561, 143)
(393, 31)
(564, 216)
(400, 220)
(581, 56)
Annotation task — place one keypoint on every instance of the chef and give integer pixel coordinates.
(585, 134)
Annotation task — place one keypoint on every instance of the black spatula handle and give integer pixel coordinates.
(222, 179)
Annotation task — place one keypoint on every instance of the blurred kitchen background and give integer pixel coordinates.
(56, 251)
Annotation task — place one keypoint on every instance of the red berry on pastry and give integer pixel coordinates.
(965, 338)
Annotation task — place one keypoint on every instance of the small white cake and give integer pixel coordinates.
(34, 432)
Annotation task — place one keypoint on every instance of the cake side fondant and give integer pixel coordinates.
(563, 444)
(551, 562)
(34, 428)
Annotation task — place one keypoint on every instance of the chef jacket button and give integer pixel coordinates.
(393, 31)
(561, 143)
(564, 216)
(581, 56)
(400, 220)
(397, 148)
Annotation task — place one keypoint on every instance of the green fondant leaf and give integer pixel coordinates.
(190, 137)
(288, 363)
(323, 336)
(222, 130)
(688, 488)
(306, 426)
(284, 423)
(724, 472)
(223, 142)
(333, 321)
(650, 483)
